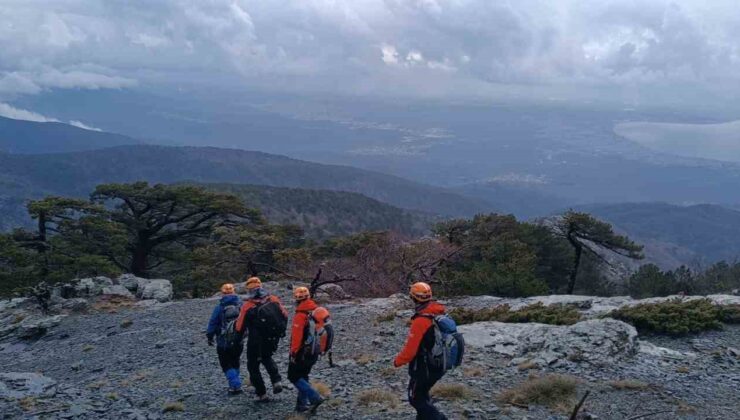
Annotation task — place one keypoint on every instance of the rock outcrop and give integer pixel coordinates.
(593, 341)
(158, 289)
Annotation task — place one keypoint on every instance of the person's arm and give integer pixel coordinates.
(418, 328)
(296, 334)
(214, 322)
(242, 315)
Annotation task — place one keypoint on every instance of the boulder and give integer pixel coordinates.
(92, 286)
(594, 341)
(17, 385)
(158, 289)
(117, 290)
(335, 291)
(131, 282)
(36, 327)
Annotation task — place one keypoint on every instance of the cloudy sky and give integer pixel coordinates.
(627, 50)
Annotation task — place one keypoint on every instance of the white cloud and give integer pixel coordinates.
(9, 111)
(360, 45)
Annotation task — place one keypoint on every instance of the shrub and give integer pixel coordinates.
(554, 391)
(730, 314)
(452, 392)
(377, 395)
(552, 314)
(673, 317)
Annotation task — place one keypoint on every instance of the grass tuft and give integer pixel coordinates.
(323, 389)
(452, 392)
(473, 372)
(376, 395)
(126, 323)
(554, 391)
(528, 365)
(364, 359)
(629, 385)
(173, 406)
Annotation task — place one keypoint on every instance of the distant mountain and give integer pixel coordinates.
(76, 174)
(17, 136)
(323, 213)
(675, 235)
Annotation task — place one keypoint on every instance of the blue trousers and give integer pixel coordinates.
(298, 376)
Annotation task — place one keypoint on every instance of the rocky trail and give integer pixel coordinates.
(149, 360)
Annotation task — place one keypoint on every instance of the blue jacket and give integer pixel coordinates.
(214, 324)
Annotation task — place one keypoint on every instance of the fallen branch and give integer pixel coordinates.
(578, 406)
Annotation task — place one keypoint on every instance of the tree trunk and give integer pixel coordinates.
(140, 262)
(576, 264)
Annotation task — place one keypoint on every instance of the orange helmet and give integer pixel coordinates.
(227, 289)
(254, 283)
(301, 293)
(421, 292)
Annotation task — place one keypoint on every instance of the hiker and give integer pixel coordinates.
(229, 344)
(264, 320)
(306, 345)
(429, 351)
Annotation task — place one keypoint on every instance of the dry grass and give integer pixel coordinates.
(377, 395)
(296, 417)
(87, 347)
(17, 319)
(452, 392)
(139, 375)
(111, 304)
(112, 396)
(683, 369)
(97, 384)
(334, 402)
(323, 389)
(629, 385)
(177, 384)
(126, 323)
(388, 372)
(386, 317)
(685, 408)
(528, 365)
(473, 372)
(555, 391)
(173, 406)
(27, 404)
(364, 359)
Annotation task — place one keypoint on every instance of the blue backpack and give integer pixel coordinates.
(449, 345)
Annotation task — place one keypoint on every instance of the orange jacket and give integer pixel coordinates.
(300, 320)
(251, 303)
(419, 326)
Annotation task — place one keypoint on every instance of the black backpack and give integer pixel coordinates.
(270, 320)
(228, 334)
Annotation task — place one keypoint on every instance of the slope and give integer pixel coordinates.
(323, 213)
(18, 136)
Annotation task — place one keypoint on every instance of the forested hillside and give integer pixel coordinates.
(17, 136)
(673, 235)
(76, 174)
(323, 213)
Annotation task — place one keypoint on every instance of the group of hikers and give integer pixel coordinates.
(433, 345)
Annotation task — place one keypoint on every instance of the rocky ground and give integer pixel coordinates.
(126, 359)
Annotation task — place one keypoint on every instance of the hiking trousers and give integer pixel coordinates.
(298, 376)
(420, 399)
(261, 354)
(228, 358)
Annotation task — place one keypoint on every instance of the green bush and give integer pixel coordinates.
(730, 314)
(552, 314)
(674, 317)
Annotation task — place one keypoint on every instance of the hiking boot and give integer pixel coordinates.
(262, 399)
(301, 408)
(235, 391)
(315, 405)
(277, 387)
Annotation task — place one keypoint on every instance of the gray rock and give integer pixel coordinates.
(117, 290)
(335, 291)
(24, 384)
(92, 286)
(75, 305)
(595, 341)
(159, 289)
(36, 327)
(131, 282)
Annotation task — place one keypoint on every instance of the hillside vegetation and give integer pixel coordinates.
(323, 213)
(76, 174)
(17, 136)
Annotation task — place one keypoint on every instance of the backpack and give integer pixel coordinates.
(449, 345)
(319, 336)
(270, 320)
(228, 334)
